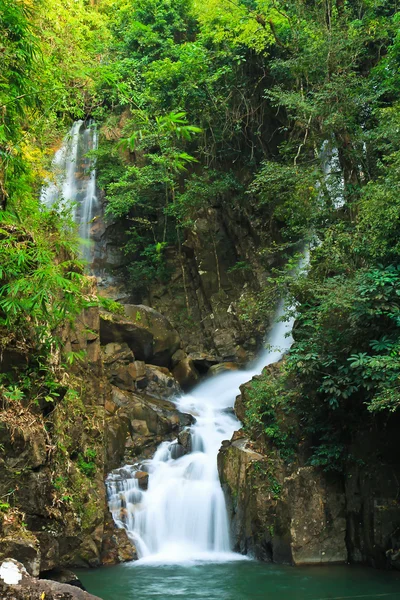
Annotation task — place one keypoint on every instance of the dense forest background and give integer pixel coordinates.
(286, 112)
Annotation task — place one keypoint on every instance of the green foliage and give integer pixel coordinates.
(38, 291)
(269, 404)
(87, 462)
(111, 305)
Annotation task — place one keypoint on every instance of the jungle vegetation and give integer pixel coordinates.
(288, 110)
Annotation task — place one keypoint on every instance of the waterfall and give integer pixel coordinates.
(74, 181)
(332, 172)
(182, 515)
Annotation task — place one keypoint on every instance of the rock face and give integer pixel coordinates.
(294, 518)
(212, 272)
(17, 584)
(302, 514)
(372, 497)
(53, 462)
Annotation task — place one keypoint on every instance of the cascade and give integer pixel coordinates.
(74, 180)
(182, 515)
(332, 171)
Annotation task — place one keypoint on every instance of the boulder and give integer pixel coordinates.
(26, 551)
(185, 439)
(177, 357)
(119, 329)
(223, 367)
(186, 373)
(149, 335)
(143, 479)
(114, 352)
(62, 576)
(166, 340)
(161, 383)
(17, 584)
(202, 361)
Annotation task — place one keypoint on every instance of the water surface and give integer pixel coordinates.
(242, 580)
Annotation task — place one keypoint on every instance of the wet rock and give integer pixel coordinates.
(295, 517)
(116, 546)
(186, 373)
(185, 440)
(139, 423)
(143, 479)
(223, 367)
(17, 584)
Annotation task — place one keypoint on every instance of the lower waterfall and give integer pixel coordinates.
(182, 515)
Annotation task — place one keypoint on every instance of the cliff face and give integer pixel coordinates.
(214, 274)
(292, 516)
(299, 514)
(54, 458)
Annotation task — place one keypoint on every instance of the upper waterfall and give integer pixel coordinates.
(74, 180)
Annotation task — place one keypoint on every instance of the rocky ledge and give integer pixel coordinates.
(17, 584)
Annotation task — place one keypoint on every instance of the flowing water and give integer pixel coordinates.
(182, 516)
(74, 181)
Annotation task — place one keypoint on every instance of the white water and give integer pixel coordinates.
(182, 516)
(74, 181)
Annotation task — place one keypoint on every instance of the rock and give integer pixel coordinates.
(202, 361)
(296, 517)
(116, 546)
(185, 440)
(223, 367)
(117, 430)
(139, 427)
(166, 340)
(161, 383)
(120, 376)
(143, 479)
(177, 357)
(186, 373)
(318, 523)
(148, 334)
(372, 496)
(137, 371)
(114, 352)
(177, 450)
(139, 424)
(62, 576)
(119, 329)
(26, 552)
(17, 584)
